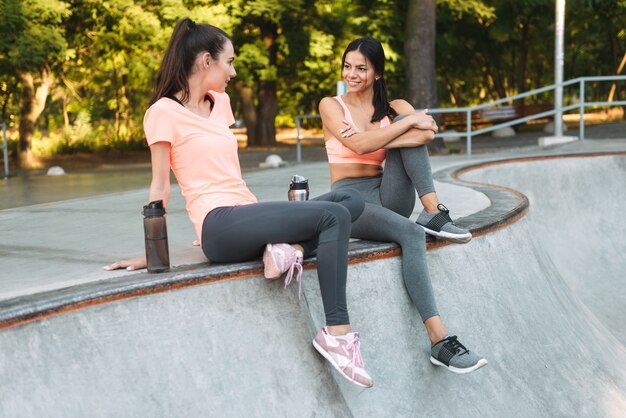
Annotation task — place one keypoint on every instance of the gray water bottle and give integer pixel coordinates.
(298, 188)
(155, 233)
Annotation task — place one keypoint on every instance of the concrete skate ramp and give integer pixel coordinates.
(578, 205)
(541, 298)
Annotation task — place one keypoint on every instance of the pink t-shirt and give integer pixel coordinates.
(203, 155)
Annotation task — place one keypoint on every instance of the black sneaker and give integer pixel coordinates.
(453, 355)
(441, 225)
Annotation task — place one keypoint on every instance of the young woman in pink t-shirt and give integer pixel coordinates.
(187, 128)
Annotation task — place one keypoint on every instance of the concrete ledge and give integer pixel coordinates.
(507, 206)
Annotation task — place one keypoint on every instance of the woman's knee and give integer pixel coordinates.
(411, 232)
(337, 218)
(418, 231)
(352, 201)
(342, 214)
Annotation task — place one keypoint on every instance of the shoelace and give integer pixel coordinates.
(296, 265)
(455, 346)
(444, 211)
(354, 348)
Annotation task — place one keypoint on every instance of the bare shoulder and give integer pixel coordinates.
(330, 110)
(402, 106)
(328, 104)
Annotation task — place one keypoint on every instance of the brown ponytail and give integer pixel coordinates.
(188, 40)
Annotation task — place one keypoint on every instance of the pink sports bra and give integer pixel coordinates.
(340, 154)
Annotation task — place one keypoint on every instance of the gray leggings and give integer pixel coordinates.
(240, 233)
(389, 201)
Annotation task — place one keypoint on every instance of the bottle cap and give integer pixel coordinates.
(298, 183)
(154, 208)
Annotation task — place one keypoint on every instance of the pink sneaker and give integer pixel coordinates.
(281, 258)
(343, 352)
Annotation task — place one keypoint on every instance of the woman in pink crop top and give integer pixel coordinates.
(187, 128)
(358, 136)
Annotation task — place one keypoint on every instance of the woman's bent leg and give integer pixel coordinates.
(406, 169)
(240, 233)
(348, 198)
(414, 164)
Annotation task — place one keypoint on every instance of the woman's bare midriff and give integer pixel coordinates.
(345, 171)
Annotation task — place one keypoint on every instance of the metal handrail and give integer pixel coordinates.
(469, 133)
(299, 118)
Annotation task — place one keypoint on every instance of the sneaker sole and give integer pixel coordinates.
(270, 264)
(456, 238)
(328, 357)
(482, 362)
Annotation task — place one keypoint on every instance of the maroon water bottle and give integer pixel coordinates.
(155, 233)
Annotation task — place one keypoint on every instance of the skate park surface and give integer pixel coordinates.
(539, 292)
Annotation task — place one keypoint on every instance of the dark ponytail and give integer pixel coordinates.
(188, 40)
(373, 51)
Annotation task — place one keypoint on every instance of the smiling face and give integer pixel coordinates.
(358, 72)
(221, 69)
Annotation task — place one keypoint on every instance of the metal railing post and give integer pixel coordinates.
(468, 130)
(581, 131)
(558, 66)
(6, 150)
(298, 148)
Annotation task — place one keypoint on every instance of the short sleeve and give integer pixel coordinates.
(158, 125)
(222, 109)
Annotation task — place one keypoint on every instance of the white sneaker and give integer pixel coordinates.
(343, 352)
(283, 258)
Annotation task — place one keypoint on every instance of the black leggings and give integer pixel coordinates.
(240, 233)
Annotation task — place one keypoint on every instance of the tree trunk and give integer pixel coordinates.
(125, 113)
(33, 104)
(117, 103)
(267, 111)
(267, 106)
(523, 57)
(614, 85)
(5, 104)
(246, 94)
(66, 115)
(260, 120)
(419, 51)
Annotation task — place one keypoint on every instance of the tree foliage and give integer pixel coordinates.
(32, 49)
(86, 68)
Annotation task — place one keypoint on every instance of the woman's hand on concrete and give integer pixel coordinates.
(131, 264)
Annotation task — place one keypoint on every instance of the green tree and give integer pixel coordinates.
(420, 47)
(496, 52)
(117, 41)
(96, 65)
(596, 44)
(119, 46)
(32, 47)
(263, 36)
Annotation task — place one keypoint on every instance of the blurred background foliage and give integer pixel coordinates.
(76, 75)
